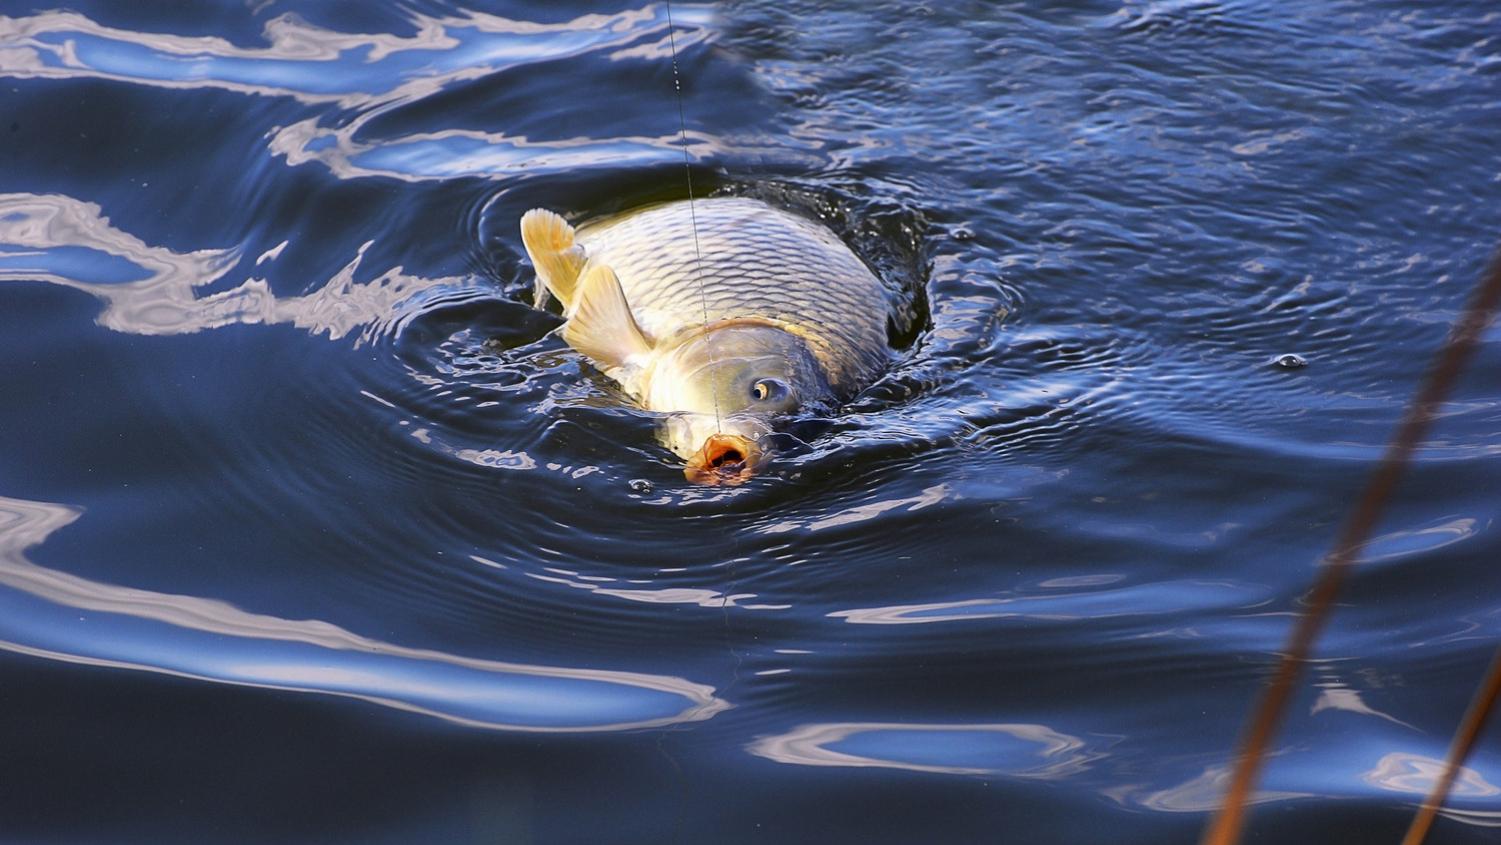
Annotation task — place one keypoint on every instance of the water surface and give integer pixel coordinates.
(310, 531)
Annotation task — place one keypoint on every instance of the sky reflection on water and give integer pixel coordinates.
(210, 640)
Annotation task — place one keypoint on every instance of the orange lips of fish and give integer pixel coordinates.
(724, 459)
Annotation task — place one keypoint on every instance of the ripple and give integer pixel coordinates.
(1419, 541)
(1352, 766)
(1156, 598)
(1010, 750)
(312, 63)
(865, 512)
(321, 445)
(490, 155)
(701, 597)
(210, 640)
(1206, 793)
(68, 242)
(1417, 775)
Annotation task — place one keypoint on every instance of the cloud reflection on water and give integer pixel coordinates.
(151, 290)
(1014, 750)
(664, 595)
(1137, 600)
(1198, 795)
(463, 152)
(1327, 771)
(1416, 775)
(55, 615)
(368, 76)
(316, 65)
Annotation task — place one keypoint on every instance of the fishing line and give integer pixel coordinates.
(698, 256)
(703, 299)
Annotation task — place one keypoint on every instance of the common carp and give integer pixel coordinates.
(725, 314)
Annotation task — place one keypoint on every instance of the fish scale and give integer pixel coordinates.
(757, 262)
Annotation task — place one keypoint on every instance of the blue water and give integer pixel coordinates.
(311, 532)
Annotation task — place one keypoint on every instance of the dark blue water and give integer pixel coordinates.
(310, 531)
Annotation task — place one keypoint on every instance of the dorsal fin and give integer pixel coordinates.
(549, 243)
(600, 323)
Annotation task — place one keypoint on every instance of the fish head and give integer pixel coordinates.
(724, 391)
(724, 450)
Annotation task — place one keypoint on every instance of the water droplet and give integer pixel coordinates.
(1290, 361)
(640, 485)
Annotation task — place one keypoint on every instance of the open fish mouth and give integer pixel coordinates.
(724, 459)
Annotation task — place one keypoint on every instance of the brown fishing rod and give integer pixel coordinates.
(1464, 337)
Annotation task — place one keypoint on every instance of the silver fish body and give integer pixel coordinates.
(727, 314)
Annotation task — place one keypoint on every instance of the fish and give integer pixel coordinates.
(726, 315)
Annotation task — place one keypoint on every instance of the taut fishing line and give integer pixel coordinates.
(698, 259)
(698, 256)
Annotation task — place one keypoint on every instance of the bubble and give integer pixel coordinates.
(639, 485)
(1290, 361)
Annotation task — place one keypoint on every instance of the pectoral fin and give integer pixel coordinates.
(600, 324)
(549, 243)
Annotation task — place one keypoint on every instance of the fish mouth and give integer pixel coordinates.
(727, 459)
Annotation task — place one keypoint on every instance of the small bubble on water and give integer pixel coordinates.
(963, 233)
(1290, 361)
(640, 485)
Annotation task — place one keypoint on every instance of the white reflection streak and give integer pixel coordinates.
(369, 73)
(353, 59)
(667, 595)
(1349, 700)
(870, 510)
(24, 524)
(1079, 604)
(1206, 792)
(903, 614)
(1477, 818)
(494, 459)
(1419, 541)
(807, 745)
(1415, 774)
(436, 154)
(165, 302)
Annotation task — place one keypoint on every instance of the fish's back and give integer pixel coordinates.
(756, 262)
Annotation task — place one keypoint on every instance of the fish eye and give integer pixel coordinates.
(769, 390)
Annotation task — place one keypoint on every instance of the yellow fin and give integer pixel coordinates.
(600, 324)
(549, 243)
